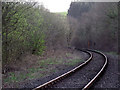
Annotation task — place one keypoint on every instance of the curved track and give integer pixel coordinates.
(100, 72)
(53, 81)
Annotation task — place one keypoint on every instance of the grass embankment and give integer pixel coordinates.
(39, 68)
(112, 53)
(63, 13)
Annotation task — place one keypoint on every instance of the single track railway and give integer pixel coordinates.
(74, 70)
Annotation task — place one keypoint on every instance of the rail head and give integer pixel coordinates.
(65, 74)
(99, 73)
(76, 68)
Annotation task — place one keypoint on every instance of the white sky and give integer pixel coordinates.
(56, 5)
(63, 5)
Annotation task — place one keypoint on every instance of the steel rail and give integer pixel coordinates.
(99, 73)
(45, 85)
(90, 83)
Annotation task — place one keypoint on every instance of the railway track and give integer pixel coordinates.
(72, 73)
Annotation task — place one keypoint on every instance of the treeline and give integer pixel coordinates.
(29, 27)
(94, 25)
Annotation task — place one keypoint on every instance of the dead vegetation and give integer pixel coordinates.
(32, 66)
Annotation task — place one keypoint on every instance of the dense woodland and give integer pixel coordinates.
(94, 25)
(29, 27)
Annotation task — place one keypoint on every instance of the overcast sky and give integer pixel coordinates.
(56, 5)
(61, 5)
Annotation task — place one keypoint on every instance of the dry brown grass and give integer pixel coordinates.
(32, 66)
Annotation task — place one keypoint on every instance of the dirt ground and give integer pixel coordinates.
(31, 67)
